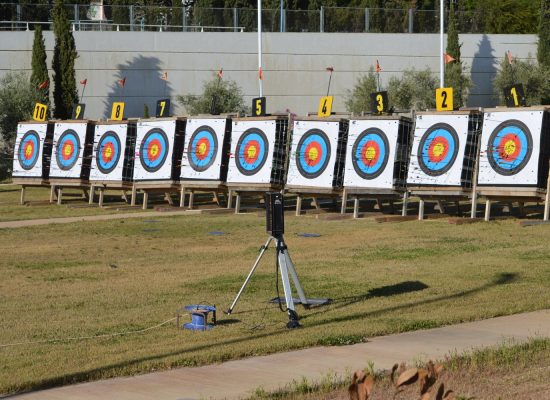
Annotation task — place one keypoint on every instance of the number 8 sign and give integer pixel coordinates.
(444, 99)
(117, 112)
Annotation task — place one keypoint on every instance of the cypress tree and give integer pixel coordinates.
(453, 71)
(65, 93)
(40, 68)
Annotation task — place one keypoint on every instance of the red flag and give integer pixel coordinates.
(330, 69)
(220, 73)
(448, 58)
(509, 55)
(44, 85)
(378, 68)
(164, 76)
(261, 74)
(122, 82)
(84, 81)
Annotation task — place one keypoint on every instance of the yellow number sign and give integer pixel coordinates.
(259, 106)
(444, 99)
(117, 112)
(40, 112)
(325, 106)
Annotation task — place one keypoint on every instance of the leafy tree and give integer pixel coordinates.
(40, 69)
(358, 99)
(65, 93)
(16, 104)
(413, 90)
(454, 72)
(229, 98)
(534, 78)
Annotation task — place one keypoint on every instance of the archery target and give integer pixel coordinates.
(252, 146)
(108, 154)
(29, 149)
(313, 153)
(68, 149)
(154, 148)
(438, 149)
(371, 146)
(202, 154)
(510, 147)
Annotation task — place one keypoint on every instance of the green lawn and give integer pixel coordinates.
(91, 278)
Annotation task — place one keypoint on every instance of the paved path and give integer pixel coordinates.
(238, 379)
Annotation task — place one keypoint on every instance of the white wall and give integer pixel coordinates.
(294, 63)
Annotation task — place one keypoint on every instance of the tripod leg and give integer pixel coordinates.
(294, 275)
(283, 266)
(262, 251)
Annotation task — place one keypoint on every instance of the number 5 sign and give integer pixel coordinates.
(444, 99)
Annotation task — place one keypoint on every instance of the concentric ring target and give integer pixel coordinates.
(251, 151)
(29, 150)
(201, 151)
(154, 150)
(108, 152)
(438, 149)
(509, 148)
(313, 153)
(369, 154)
(68, 150)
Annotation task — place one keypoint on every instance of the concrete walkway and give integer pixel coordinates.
(238, 379)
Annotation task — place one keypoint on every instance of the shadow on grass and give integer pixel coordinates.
(100, 373)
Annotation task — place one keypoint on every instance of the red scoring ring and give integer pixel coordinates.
(256, 145)
(510, 137)
(67, 151)
(104, 156)
(154, 143)
(374, 160)
(440, 140)
(28, 154)
(206, 142)
(313, 145)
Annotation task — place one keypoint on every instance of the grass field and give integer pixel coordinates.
(93, 278)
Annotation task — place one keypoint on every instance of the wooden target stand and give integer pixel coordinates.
(512, 194)
(191, 187)
(380, 195)
(249, 190)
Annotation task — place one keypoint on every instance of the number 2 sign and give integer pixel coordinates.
(444, 99)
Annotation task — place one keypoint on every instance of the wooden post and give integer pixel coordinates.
(379, 204)
(487, 209)
(421, 210)
(22, 194)
(405, 203)
(229, 198)
(182, 197)
(191, 199)
(298, 205)
(134, 194)
(59, 195)
(356, 207)
(441, 206)
(52, 193)
(168, 198)
(101, 193)
(145, 199)
(92, 192)
(238, 203)
(344, 201)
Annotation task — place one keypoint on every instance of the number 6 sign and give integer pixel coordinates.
(444, 99)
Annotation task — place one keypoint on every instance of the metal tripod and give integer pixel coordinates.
(286, 267)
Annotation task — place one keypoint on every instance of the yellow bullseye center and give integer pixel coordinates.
(313, 154)
(509, 147)
(154, 150)
(108, 152)
(67, 150)
(438, 149)
(28, 151)
(251, 152)
(370, 153)
(201, 149)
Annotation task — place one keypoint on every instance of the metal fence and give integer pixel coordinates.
(15, 16)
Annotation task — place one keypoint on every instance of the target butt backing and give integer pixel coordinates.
(72, 149)
(33, 150)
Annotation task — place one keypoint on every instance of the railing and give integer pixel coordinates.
(15, 16)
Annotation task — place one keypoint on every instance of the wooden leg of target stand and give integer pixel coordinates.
(298, 205)
(405, 204)
(237, 203)
(145, 199)
(344, 201)
(134, 194)
(229, 199)
(59, 195)
(191, 199)
(101, 193)
(421, 210)
(487, 210)
(356, 207)
(22, 200)
(52, 193)
(182, 197)
(92, 194)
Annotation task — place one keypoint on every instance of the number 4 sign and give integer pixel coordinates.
(325, 106)
(444, 99)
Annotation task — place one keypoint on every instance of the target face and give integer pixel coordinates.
(313, 153)
(29, 150)
(108, 152)
(201, 151)
(154, 150)
(509, 148)
(68, 150)
(370, 153)
(438, 149)
(251, 151)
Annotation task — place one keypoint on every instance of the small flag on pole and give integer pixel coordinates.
(164, 76)
(44, 85)
(378, 67)
(84, 81)
(509, 55)
(448, 58)
(261, 74)
(330, 69)
(220, 73)
(122, 82)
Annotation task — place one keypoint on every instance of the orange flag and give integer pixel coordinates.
(122, 82)
(448, 58)
(330, 69)
(378, 68)
(164, 76)
(220, 73)
(509, 55)
(261, 74)
(84, 81)
(44, 85)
